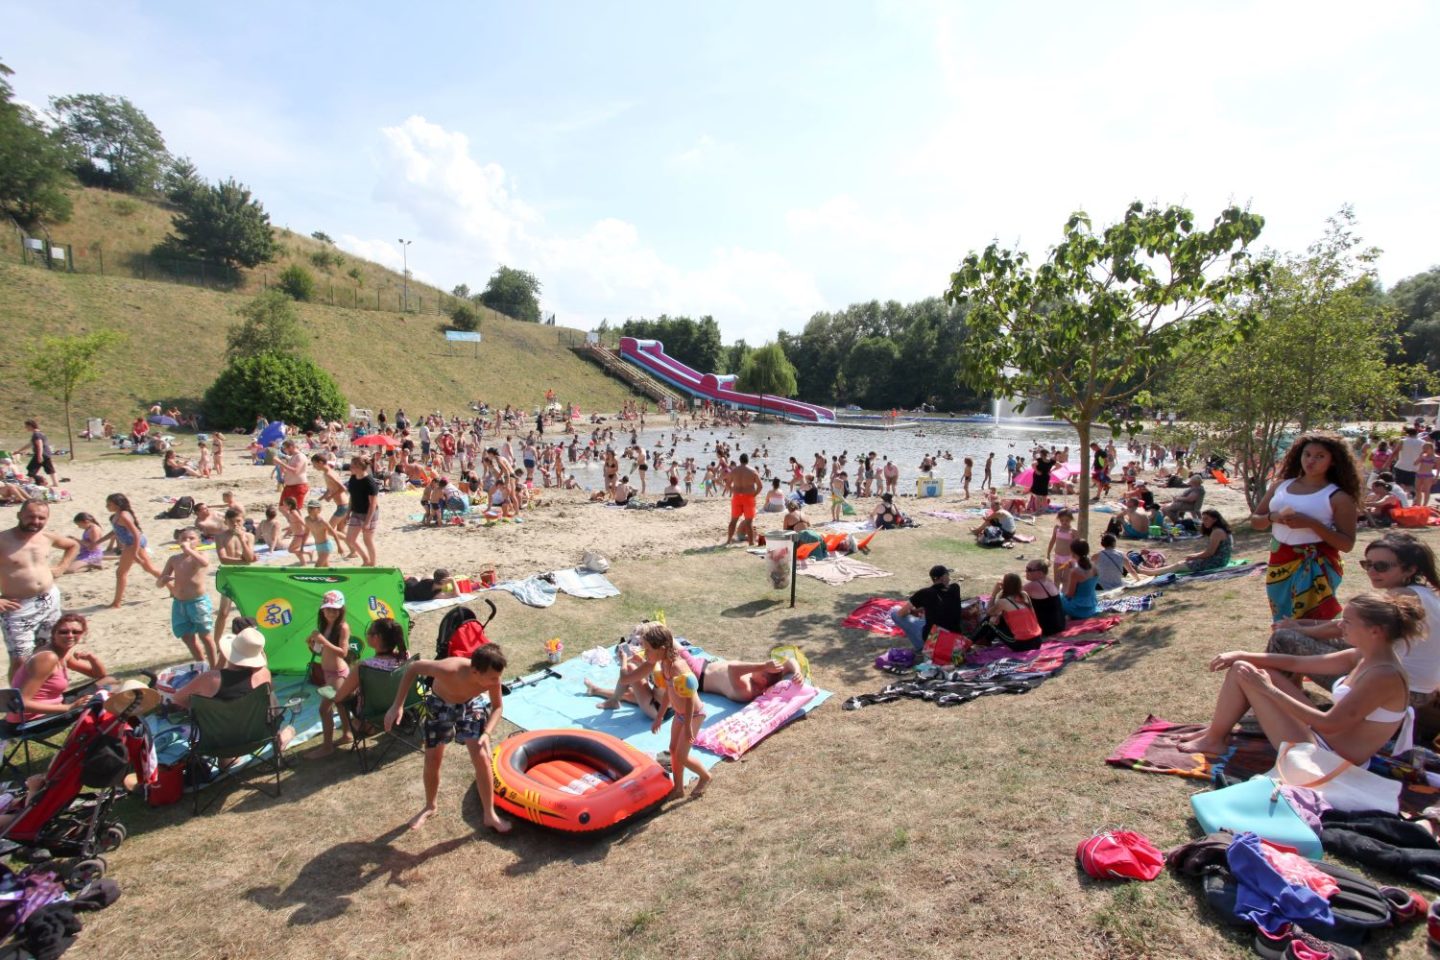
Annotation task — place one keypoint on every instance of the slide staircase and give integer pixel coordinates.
(638, 379)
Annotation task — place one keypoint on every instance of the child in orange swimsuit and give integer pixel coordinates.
(676, 687)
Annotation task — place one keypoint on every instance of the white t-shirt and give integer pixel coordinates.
(1422, 660)
(1409, 453)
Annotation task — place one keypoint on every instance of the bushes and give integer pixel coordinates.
(325, 259)
(292, 389)
(297, 282)
(465, 317)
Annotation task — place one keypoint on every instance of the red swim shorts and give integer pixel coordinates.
(742, 505)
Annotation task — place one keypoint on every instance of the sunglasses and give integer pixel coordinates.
(1379, 566)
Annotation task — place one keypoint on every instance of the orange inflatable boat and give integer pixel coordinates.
(575, 780)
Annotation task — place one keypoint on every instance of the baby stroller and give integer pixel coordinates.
(59, 817)
(461, 631)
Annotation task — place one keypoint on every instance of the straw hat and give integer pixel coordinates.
(133, 696)
(244, 649)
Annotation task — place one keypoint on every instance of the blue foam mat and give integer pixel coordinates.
(559, 703)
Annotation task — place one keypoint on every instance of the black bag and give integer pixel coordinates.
(183, 509)
(105, 762)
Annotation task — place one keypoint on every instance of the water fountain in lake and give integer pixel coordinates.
(1037, 412)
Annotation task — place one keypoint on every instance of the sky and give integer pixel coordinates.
(759, 162)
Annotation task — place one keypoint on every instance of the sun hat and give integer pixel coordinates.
(134, 696)
(244, 649)
(333, 600)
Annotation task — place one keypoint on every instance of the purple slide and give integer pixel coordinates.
(649, 355)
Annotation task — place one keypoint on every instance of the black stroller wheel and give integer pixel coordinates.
(111, 837)
(84, 872)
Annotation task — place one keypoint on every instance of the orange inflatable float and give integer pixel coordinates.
(575, 780)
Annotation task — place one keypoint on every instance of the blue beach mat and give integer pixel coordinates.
(556, 703)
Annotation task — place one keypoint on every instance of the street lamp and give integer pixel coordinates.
(405, 260)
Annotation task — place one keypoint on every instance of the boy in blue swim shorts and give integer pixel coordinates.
(463, 706)
(192, 618)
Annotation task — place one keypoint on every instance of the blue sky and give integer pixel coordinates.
(759, 162)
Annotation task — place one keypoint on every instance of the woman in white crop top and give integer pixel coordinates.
(1371, 702)
(1311, 514)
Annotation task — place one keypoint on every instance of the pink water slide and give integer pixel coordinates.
(649, 355)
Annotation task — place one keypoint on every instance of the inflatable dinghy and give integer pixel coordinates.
(575, 780)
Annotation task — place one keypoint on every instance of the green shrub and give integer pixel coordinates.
(297, 282)
(465, 317)
(125, 206)
(292, 389)
(325, 259)
(354, 274)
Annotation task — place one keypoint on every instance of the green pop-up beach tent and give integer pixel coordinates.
(286, 600)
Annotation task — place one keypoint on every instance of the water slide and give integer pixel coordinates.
(649, 355)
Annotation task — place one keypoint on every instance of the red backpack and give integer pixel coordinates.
(1120, 855)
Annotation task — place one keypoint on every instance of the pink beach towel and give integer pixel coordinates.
(874, 615)
(740, 731)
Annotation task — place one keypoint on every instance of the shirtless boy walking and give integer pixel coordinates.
(29, 598)
(463, 705)
(192, 618)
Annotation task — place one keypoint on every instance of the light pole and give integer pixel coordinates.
(405, 260)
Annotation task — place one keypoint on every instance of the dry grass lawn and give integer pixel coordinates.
(900, 830)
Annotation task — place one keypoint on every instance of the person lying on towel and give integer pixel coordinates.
(1371, 700)
(740, 681)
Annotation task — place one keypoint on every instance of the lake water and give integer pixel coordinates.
(906, 447)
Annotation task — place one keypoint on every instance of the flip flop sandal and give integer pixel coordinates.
(953, 699)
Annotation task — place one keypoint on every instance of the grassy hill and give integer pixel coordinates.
(115, 233)
(176, 340)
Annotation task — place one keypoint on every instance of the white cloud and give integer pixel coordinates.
(696, 155)
(472, 213)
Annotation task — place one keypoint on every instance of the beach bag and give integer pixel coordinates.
(1411, 516)
(594, 562)
(896, 658)
(169, 785)
(1256, 806)
(1153, 558)
(182, 509)
(105, 762)
(467, 638)
(1120, 855)
(946, 647)
(1343, 785)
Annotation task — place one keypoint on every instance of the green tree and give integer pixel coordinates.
(1317, 356)
(33, 174)
(292, 389)
(297, 283)
(323, 237)
(873, 371)
(111, 141)
(222, 224)
(767, 371)
(269, 324)
(464, 316)
(515, 293)
(735, 355)
(182, 182)
(462, 290)
(1091, 328)
(60, 366)
(1417, 300)
(693, 342)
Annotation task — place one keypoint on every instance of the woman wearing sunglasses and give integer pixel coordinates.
(1396, 563)
(44, 679)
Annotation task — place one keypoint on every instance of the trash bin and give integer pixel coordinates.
(779, 557)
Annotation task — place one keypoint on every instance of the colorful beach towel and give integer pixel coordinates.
(1048, 657)
(1123, 604)
(755, 721)
(874, 615)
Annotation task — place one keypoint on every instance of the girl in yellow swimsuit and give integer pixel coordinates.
(677, 688)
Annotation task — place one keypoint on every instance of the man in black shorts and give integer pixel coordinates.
(463, 706)
(40, 454)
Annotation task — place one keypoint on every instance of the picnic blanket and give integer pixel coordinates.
(413, 607)
(957, 516)
(585, 584)
(838, 570)
(990, 671)
(874, 615)
(1123, 604)
(532, 591)
(553, 702)
(1153, 749)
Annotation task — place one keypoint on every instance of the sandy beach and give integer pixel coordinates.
(554, 534)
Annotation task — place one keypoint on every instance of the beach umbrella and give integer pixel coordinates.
(1060, 473)
(377, 440)
(163, 421)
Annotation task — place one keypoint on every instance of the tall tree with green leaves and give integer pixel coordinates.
(222, 224)
(182, 181)
(33, 167)
(1090, 329)
(766, 370)
(515, 293)
(1318, 355)
(61, 366)
(112, 142)
(269, 324)
(1417, 300)
(695, 342)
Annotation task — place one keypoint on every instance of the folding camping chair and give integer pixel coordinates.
(48, 730)
(374, 698)
(241, 729)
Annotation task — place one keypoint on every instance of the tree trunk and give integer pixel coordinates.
(1083, 514)
(69, 435)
